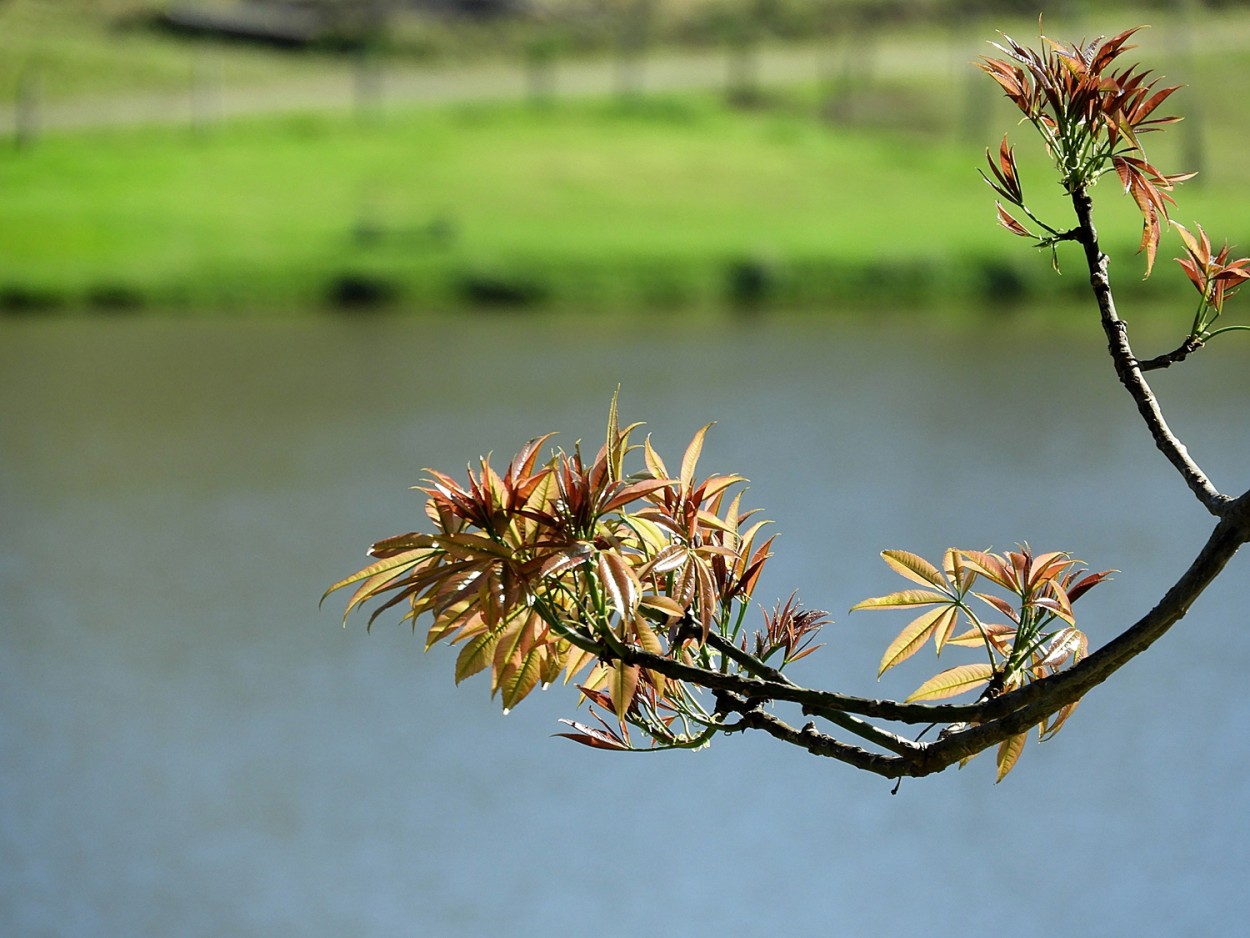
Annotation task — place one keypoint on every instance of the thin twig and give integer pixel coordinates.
(1174, 357)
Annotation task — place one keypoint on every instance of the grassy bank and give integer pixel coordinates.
(847, 195)
(677, 203)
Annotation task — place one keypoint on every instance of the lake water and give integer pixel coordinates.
(190, 747)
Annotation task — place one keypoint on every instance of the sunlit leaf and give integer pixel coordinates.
(578, 658)
(654, 463)
(650, 642)
(902, 599)
(664, 605)
(520, 678)
(994, 633)
(647, 639)
(394, 563)
(913, 637)
(633, 492)
(1008, 754)
(477, 654)
(390, 546)
(622, 584)
(1061, 647)
(1000, 604)
(562, 560)
(989, 566)
(914, 567)
(1056, 721)
(622, 682)
(706, 591)
(953, 681)
(691, 458)
(1009, 222)
(590, 736)
(615, 454)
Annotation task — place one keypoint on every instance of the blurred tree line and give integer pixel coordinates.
(436, 29)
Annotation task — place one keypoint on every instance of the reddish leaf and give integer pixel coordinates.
(595, 738)
(1007, 221)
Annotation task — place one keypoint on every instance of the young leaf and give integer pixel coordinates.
(614, 449)
(622, 682)
(954, 681)
(913, 567)
(1008, 221)
(1008, 753)
(654, 463)
(521, 678)
(620, 581)
(691, 459)
(477, 654)
(595, 738)
(913, 637)
(901, 600)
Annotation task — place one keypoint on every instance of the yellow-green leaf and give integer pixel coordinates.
(1008, 754)
(554, 656)
(614, 449)
(477, 654)
(913, 567)
(521, 678)
(945, 626)
(664, 605)
(622, 682)
(691, 458)
(406, 559)
(577, 659)
(912, 638)
(654, 463)
(953, 681)
(902, 599)
(649, 641)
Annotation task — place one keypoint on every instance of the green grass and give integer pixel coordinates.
(681, 202)
(677, 202)
(584, 203)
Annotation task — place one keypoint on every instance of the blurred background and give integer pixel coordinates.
(581, 155)
(263, 262)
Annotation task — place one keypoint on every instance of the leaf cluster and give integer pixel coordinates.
(1035, 637)
(641, 579)
(1091, 117)
(548, 570)
(1214, 276)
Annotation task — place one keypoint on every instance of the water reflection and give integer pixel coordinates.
(192, 748)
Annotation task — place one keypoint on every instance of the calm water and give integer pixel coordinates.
(190, 747)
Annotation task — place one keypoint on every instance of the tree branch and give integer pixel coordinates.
(1177, 355)
(1127, 368)
(987, 722)
(754, 716)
